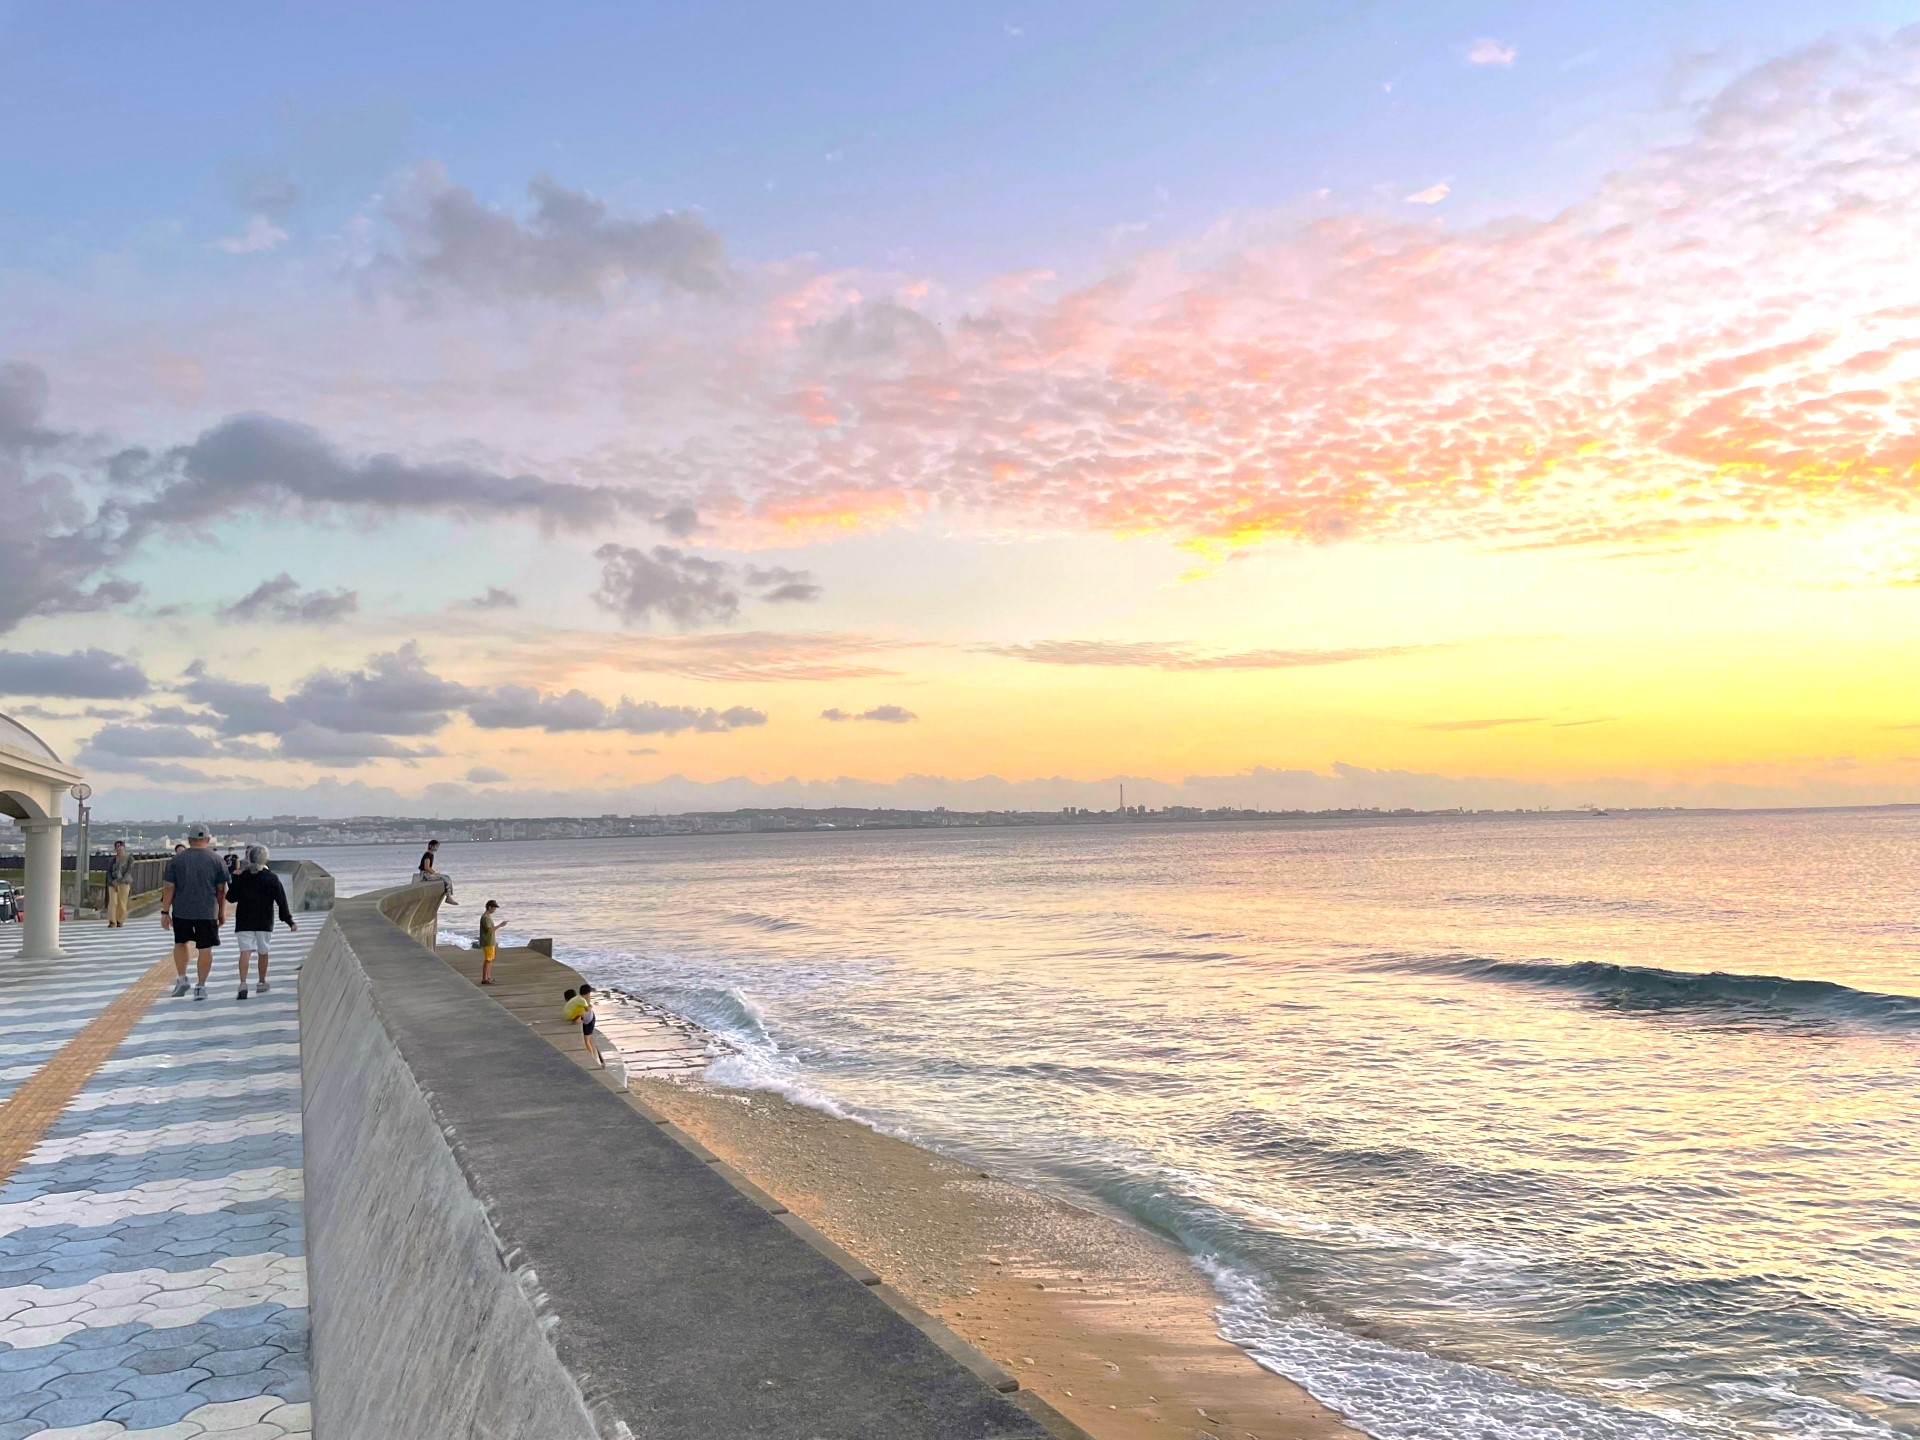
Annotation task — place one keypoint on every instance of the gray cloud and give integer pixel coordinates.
(344, 718)
(79, 675)
(54, 553)
(253, 458)
(688, 589)
(175, 715)
(877, 332)
(638, 584)
(53, 557)
(486, 775)
(648, 718)
(494, 597)
(393, 694)
(883, 714)
(779, 585)
(177, 742)
(281, 600)
(342, 749)
(680, 521)
(163, 770)
(242, 708)
(517, 707)
(23, 404)
(572, 248)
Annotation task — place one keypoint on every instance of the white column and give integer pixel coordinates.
(42, 938)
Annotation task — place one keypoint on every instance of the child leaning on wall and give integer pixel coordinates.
(579, 1012)
(587, 1022)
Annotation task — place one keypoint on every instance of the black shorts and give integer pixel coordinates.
(201, 934)
(586, 1025)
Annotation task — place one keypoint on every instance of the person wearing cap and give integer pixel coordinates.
(193, 902)
(257, 893)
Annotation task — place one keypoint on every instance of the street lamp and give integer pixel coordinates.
(81, 792)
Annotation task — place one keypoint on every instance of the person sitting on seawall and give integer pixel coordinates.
(427, 872)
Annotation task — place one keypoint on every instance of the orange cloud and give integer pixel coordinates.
(1679, 351)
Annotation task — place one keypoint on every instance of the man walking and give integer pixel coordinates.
(193, 902)
(119, 884)
(257, 893)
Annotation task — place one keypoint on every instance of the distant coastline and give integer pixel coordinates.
(315, 832)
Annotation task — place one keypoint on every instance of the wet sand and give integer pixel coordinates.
(1106, 1322)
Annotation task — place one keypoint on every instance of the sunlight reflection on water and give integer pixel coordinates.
(1457, 1107)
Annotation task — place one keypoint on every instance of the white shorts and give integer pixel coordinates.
(254, 940)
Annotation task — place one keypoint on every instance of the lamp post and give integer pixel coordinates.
(81, 792)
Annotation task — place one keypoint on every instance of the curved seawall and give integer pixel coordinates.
(426, 1326)
(501, 1246)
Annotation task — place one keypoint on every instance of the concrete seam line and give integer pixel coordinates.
(28, 1113)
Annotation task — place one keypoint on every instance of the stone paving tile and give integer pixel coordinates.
(152, 1280)
(135, 1114)
(210, 1131)
(178, 1067)
(182, 1091)
(169, 1039)
(120, 1170)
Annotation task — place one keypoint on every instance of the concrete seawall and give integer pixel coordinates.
(423, 1324)
(499, 1246)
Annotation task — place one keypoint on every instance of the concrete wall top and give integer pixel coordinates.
(678, 1306)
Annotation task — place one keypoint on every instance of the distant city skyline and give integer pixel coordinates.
(1315, 407)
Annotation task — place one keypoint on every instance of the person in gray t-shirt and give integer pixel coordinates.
(193, 902)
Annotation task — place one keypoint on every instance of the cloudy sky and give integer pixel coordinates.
(591, 407)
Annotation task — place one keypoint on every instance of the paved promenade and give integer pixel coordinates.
(152, 1279)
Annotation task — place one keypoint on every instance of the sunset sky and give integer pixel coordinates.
(594, 407)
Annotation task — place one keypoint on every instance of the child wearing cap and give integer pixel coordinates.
(489, 940)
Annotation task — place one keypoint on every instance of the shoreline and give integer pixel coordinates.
(1110, 1324)
(1105, 1321)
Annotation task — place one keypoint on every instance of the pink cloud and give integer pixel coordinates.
(1678, 351)
(1725, 332)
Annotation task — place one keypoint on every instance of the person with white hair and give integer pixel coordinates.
(257, 894)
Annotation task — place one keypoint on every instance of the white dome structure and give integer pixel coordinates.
(33, 783)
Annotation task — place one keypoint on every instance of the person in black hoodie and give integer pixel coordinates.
(256, 893)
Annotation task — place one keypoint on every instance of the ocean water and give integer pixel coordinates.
(1507, 1128)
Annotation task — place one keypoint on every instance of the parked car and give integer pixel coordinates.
(9, 901)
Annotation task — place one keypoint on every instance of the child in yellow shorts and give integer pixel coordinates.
(489, 941)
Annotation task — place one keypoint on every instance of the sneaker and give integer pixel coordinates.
(263, 987)
(243, 993)
(179, 987)
(199, 992)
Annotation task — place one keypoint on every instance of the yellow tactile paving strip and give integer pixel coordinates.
(37, 1103)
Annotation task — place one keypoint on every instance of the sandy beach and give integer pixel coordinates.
(1109, 1324)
